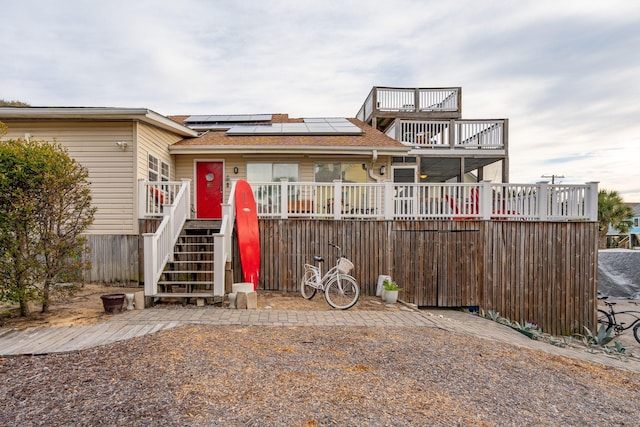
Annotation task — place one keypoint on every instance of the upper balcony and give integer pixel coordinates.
(452, 135)
(384, 104)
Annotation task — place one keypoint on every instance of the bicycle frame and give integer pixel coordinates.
(619, 327)
(320, 279)
(340, 290)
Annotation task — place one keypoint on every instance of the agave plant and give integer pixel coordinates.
(603, 337)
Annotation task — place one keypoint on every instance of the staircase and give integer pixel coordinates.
(190, 272)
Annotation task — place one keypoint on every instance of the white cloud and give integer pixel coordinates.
(564, 73)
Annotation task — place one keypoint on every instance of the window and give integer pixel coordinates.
(347, 172)
(158, 170)
(636, 222)
(272, 172)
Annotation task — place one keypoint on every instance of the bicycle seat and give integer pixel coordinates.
(609, 303)
(317, 258)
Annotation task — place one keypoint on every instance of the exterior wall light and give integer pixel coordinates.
(383, 169)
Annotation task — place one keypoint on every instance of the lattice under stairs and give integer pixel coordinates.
(190, 273)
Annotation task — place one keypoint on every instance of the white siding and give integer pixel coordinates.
(152, 140)
(93, 144)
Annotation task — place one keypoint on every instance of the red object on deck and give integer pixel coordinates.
(247, 232)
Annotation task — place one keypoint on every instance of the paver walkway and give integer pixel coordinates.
(37, 341)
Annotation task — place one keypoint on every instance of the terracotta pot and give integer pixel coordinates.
(113, 303)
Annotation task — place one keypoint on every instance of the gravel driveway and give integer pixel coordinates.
(313, 376)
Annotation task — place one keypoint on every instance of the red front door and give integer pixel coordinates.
(209, 181)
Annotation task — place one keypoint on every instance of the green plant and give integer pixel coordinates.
(617, 348)
(603, 337)
(388, 285)
(493, 315)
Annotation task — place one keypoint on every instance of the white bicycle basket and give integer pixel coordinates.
(345, 266)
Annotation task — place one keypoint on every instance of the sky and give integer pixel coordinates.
(565, 73)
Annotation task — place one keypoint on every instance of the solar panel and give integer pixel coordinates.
(311, 126)
(227, 118)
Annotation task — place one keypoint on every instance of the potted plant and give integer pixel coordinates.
(390, 293)
(113, 303)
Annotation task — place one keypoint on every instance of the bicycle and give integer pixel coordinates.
(340, 289)
(608, 319)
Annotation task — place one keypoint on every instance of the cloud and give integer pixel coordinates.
(563, 73)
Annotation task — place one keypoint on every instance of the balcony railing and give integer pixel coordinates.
(482, 134)
(481, 201)
(390, 99)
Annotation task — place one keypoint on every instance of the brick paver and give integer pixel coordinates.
(142, 322)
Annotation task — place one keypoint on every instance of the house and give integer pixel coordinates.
(403, 187)
(630, 239)
(633, 237)
(122, 147)
(634, 231)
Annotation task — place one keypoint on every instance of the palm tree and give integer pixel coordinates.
(612, 212)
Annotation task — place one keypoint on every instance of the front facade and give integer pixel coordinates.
(405, 161)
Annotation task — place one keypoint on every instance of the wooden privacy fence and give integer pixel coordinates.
(541, 272)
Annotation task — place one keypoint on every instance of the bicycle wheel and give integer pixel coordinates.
(636, 332)
(342, 292)
(307, 290)
(605, 319)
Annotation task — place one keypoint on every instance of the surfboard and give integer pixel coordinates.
(247, 233)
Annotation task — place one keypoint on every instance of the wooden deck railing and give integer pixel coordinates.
(481, 201)
(451, 134)
(390, 99)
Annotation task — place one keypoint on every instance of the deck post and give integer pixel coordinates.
(388, 200)
(187, 183)
(337, 199)
(452, 134)
(150, 264)
(142, 198)
(284, 198)
(484, 200)
(591, 201)
(543, 201)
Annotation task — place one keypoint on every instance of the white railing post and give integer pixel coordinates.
(150, 263)
(543, 200)
(219, 262)
(284, 198)
(388, 200)
(485, 199)
(591, 202)
(337, 199)
(187, 183)
(143, 193)
(452, 134)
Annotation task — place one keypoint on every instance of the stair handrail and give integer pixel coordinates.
(222, 243)
(158, 246)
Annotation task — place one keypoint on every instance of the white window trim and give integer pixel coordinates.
(159, 171)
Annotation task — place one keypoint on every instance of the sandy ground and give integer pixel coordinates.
(86, 308)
